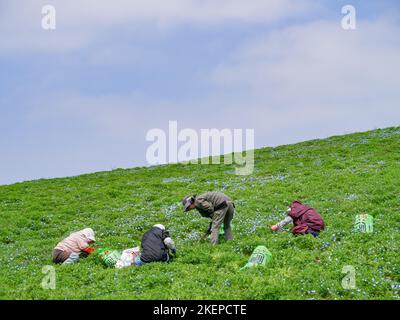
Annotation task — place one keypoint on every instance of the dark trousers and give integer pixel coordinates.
(60, 256)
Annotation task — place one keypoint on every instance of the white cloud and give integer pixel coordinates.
(317, 58)
(79, 22)
(316, 79)
(296, 83)
(318, 65)
(177, 11)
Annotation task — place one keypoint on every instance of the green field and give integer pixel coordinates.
(340, 176)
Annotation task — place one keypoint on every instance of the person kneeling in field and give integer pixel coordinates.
(69, 250)
(306, 220)
(157, 245)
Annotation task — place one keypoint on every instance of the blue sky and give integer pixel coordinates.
(81, 98)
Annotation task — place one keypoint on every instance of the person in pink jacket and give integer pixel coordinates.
(305, 219)
(69, 250)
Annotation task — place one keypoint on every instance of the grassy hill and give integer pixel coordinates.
(340, 176)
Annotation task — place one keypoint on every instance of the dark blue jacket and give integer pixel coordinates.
(153, 247)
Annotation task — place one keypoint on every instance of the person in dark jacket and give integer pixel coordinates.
(157, 245)
(214, 205)
(306, 220)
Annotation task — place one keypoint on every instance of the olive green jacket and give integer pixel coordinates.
(210, 202)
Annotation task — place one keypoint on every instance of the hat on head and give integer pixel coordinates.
(187, 202)
(159, 226)
(89, 233)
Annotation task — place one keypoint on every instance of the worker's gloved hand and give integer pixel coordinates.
(89, 250)
(208, 232)
(173, 251)
(274, 227)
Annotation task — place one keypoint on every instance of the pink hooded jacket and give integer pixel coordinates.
(304, 218)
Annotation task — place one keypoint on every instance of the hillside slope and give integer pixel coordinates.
(340, 176)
